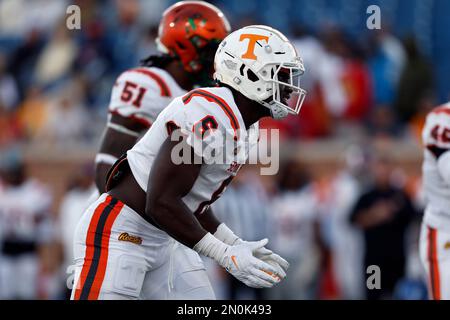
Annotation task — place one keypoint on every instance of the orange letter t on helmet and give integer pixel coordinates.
(252, 39)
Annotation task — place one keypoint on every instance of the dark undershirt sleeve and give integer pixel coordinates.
(437, 151)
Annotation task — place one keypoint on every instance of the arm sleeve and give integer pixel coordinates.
(136, 97)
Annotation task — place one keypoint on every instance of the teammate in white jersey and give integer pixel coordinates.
(25, 226)
(435, 233)
(136, 240)
(188, 36)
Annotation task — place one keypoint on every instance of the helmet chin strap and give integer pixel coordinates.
(278, 112)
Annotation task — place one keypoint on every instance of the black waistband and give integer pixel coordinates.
(116, 174)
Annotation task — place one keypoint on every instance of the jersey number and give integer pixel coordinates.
(440, 135)
(132, 92)
(202, 127)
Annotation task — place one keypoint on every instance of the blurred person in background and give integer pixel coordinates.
(33, 112)
(387, 59)
(331, 70)
(18, 17)
(383, 213)
(417, 78)
(94, 62)
(338, 191)
(73, 204)
(435, 233)
(26, 231)
(244, 207)
(67, 121)
(125, 34)
(189, 34)
(9, 94)
(57, 57)
(11, 129)
(295, 232)
(357, 82)
(23, 59)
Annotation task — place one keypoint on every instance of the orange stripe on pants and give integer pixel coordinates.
(435, 283)
(90, 246)
(100, 275)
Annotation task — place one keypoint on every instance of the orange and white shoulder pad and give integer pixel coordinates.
(140, 94)
(205, 123)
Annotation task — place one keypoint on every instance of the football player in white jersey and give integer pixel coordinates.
(435, 233)
(142, 238)
(25, 224)
(188, 36)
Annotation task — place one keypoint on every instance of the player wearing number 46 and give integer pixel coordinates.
(164, 206)
(188, 36)
(435, 233)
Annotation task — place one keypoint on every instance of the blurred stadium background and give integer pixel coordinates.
(369, 91)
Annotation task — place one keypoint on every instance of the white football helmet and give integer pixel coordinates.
(261, 63)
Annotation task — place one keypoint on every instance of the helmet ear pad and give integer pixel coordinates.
(248, 78)
(262, 89)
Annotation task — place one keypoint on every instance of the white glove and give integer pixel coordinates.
(226, 235)
(266, 255)
(239, 261)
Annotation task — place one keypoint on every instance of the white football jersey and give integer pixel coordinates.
(24, 212)
(209, 113)
(141, 93)
(295, 213)
(435, 168)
